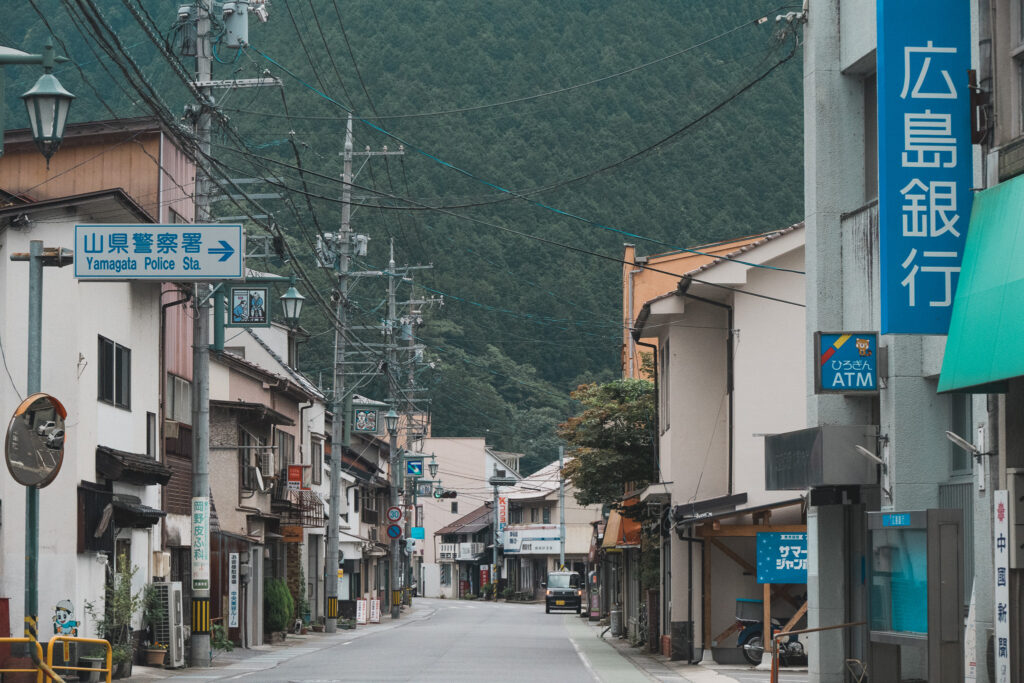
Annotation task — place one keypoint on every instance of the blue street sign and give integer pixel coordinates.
(781, 557)
(394, 531)
(414, 468)
(159, 252)
(418, 532)
(924, 160)
(846, 362)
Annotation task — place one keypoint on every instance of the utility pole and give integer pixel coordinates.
(341, 405)
(561, 509)
(200, 640)
(395, 558)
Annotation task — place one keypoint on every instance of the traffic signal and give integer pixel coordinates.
(438, 493)
(450, 494)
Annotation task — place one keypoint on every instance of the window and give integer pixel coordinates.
(151, 434)
(246, 473)
(663, 406)
(318, 461)
(455, 507)
(515, 515)
(446, 574)
(961, 423)
(533, 515)
(285, 448)
(546, 511)
(870, 137)
(114, 374)
(178, 402)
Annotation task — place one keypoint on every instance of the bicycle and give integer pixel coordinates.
(641, 625)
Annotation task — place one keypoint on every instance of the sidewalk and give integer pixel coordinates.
(663, 669)
(238, 662)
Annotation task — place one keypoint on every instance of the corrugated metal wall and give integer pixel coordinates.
(959, 496)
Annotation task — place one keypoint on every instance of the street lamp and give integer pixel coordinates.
(391, 421)
(47, 101)
(291, 303)
(432, 466)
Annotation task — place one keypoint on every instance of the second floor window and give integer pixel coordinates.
(115, 374)
(318, 460)
(285, 448)
(546, 515)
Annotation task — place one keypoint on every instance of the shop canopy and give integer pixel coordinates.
(983, 347)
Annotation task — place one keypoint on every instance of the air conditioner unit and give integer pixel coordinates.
(267, 463)
(170, 628)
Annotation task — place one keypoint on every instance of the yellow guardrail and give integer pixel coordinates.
(38, 658)
(67, 640)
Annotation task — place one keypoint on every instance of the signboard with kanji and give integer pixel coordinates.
(924, 159)
(781, 557)
(1001, 566)
(159, 252)
(364, 420)
(201, 543)
(233, 590)
(846, 362)
(295, 477)
(249, 307)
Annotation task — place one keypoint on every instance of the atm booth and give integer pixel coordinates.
(915, 576)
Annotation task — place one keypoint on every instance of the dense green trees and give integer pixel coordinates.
(524, 319)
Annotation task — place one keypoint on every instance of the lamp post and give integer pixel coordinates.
(433, 466)
(391, 422)
(291, 304)
(47, 101)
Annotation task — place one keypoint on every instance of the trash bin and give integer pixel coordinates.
(616, 622)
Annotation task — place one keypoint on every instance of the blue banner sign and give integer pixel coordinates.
(159, 252)
(414, 468)
(896, 519)
(924, 160)
(847, 362)
(781, 557)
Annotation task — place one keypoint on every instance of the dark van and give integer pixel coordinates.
(563, 591)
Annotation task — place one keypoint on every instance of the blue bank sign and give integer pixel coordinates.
(159, 252)
(846, 362)
(924, 159)
(781, 557)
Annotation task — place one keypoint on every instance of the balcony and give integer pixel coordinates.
(448, 552)
(469, 551)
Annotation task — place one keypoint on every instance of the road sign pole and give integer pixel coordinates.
(35, 364)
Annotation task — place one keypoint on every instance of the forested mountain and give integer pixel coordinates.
(654, 122)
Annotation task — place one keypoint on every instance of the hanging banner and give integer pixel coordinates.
(502, 513)
(1001, 562)
(924, 160)
(201, 544)
(365, 420)
(249, 307)
(233, 590)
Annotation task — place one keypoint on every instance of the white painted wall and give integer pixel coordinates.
(74, 314)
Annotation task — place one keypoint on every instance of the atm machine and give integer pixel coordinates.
(916, 577)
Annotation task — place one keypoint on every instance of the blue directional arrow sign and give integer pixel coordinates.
(414, 468)
(170, 253)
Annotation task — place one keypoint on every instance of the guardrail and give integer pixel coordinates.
(786, 634)
(67, 640)
(37, 658)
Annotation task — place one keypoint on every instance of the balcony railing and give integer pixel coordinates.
(449, 551)
(470, 551)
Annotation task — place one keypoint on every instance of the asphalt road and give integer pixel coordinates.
(452, 640)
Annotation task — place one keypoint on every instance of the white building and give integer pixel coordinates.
(730, 369)
(100, 359)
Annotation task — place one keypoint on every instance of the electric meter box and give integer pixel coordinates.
(916, 589)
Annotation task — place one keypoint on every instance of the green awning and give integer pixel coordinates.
(986, 334)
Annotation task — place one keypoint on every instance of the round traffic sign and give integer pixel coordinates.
(34, 447)
(394, 514)
(394, 531)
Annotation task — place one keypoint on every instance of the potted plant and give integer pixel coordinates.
(156, 654)
(114, 620)
(278, 608)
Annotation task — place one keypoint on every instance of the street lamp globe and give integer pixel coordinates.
(291, 302)
(48, 104)
(391, 421)
(432, 466)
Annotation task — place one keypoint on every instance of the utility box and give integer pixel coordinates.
(916, 594)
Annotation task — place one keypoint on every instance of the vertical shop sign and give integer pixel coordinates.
(1001, 560)
(924, 160)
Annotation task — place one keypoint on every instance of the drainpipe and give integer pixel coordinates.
(684, 285)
